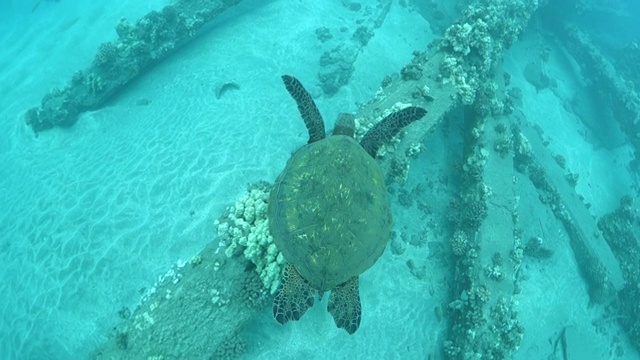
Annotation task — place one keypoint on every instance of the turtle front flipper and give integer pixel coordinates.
(307, 107)
(388, 127)
(344, 305)
(293, 298)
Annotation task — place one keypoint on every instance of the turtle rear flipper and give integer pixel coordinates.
(344, 305)
(307, 107)
(388, 127)
(294, 296)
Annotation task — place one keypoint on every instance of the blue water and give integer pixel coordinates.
(92, 215)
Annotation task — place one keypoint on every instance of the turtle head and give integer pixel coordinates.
(345, 125)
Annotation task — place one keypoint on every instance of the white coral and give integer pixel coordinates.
(246, 228)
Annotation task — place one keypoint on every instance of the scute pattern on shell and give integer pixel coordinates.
(329, 212)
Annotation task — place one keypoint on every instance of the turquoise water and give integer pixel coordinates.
(92, 215)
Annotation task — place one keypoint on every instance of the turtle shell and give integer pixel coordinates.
(329, 213)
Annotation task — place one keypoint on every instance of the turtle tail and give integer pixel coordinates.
(307, 107)
(388, 127)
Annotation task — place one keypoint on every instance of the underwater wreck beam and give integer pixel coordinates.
(195, 311)
(446, 74)
(624, 101)
(620, 229)
(138, 48)
(486, 248)
(594, 258)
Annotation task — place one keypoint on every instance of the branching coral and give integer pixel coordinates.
(459, 243)
(107, 54)
(475, 44)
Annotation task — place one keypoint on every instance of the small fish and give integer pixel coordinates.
(223, 88)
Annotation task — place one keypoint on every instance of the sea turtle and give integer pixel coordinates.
(329, 213)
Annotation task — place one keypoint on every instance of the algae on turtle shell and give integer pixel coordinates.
(329, 213)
